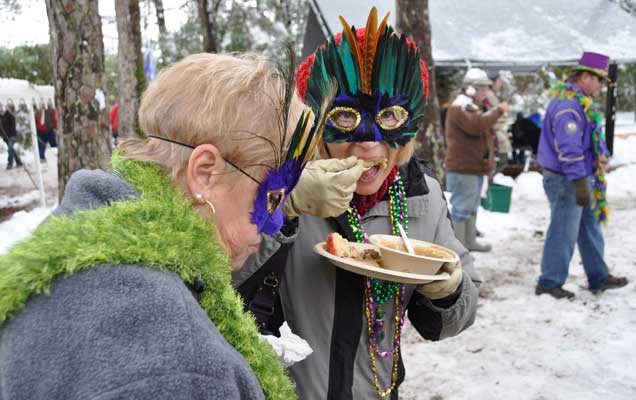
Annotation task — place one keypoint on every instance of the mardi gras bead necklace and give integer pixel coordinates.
(377, 292)
(567, 90)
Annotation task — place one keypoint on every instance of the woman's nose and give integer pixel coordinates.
(367, 145)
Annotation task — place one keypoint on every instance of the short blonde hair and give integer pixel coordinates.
(233, 102)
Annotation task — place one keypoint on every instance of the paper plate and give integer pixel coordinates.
(372, 269)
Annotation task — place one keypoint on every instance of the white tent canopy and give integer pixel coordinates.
(502, 32)
(16, 89)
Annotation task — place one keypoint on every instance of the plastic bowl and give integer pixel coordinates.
(428, 259)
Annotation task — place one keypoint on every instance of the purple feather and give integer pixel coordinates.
(286, 177)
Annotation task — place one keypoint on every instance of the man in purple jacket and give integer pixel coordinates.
(569, 160)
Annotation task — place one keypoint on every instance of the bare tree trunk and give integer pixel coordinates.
(77, 52)
(413, 20)
(207, 17)
(131, 66)
(161, 19)
(163, 31)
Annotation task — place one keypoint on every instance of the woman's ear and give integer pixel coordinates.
(204, 167)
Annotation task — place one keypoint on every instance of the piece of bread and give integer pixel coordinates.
(372, 163)
(337, 245)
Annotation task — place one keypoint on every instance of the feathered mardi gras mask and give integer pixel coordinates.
(279, 182)
(284, 175)
(382, 84)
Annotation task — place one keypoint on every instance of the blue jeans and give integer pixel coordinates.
(43, 139)
(466, 190)
(570, 224)
(12, 154)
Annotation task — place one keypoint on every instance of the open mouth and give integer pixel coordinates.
(369, 175)
(372, 173)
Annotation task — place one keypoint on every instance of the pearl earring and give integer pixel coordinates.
(200, 199)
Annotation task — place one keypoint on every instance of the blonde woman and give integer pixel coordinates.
(125, 291)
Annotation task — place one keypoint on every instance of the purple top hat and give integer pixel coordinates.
(595, 63)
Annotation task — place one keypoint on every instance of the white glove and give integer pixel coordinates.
(440, 289)
(325, 188)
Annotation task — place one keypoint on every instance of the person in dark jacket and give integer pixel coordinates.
(9, 134)
(353, 321)
(125, 292)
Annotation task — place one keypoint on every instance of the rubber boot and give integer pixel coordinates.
(471, 234)
(460, 231)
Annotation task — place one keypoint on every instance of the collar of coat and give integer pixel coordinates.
(159, 230)
(465, 102)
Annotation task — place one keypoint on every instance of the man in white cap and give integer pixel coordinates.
(470, 139)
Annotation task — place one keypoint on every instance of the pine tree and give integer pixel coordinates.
(132, 81)
(161, 19)
(208, 10)
(77, 53)
(413, 20)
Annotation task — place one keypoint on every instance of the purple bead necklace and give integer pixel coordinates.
(378, 292)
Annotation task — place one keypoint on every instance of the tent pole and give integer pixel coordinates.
(36, 156)
(610, 108)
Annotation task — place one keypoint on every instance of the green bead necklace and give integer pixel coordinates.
(398, 212)
(377, 292)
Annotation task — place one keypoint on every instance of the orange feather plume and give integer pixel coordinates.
(371, 36)
(370, 43)
(353, 43)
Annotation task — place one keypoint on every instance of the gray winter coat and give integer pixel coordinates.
(324, 304)
(117, 332)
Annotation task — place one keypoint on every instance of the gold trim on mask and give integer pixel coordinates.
(334, 111)
(401, 115)
(274, 199)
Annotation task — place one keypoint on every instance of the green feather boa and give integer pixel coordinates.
(159, 229)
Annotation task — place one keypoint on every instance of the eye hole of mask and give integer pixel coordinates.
(346, 119)
(274, 199)
(391, 117)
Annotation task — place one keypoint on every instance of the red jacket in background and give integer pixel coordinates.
(46, 120)
(114, 117)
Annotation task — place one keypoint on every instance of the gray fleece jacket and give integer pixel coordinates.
(117, 331)
(325, 305)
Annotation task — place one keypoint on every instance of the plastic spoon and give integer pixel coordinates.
(405, 239)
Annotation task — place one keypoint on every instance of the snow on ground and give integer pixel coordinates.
(625, 123)
(528, 347)
(20, 226)
(19, 192)
(17, 189)
(622, 181)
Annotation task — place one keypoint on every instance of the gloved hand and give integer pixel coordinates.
(439, 289)
(325, 188)
(582, 188)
